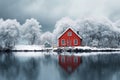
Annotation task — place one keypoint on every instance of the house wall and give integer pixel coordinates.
(69, 40)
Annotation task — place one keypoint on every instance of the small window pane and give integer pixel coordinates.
(69, 33)
(63, 42)
(75, 41)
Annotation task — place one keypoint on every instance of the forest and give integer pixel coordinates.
(95, 32)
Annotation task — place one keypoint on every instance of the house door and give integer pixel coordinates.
(68, 42)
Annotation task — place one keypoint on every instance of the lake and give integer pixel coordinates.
(36, 66)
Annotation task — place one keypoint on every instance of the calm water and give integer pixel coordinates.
(94, 67)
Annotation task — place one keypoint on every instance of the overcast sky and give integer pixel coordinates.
(47, 12)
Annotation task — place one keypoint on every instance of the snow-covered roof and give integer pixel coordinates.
(47, 42)
(72, 30)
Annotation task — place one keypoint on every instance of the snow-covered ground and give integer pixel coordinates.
(40, 47)
(29, 47)
(31, 54)
(41, 54)
(89, 48)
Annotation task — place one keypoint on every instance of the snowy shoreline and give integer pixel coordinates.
(36, 51)
(41, 47)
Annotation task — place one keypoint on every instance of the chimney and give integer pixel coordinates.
(78, 32)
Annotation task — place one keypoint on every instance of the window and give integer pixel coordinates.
(69, 33)
(75, 41)
(63, 41)
(75, 59)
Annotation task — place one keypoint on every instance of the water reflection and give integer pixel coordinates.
(95, 67)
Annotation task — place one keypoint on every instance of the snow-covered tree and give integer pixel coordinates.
(94, 31)
(99, 32)
(1, 20)
(31, 31)
(9, 33)
(61, 26)
(47, 37)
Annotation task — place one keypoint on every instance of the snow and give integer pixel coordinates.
(51, 53)
(32, 54)
(96, 53)
(95, 32)
(94, 48)
(28, 47)
(9, 33)
(47, 36)
(31, 31)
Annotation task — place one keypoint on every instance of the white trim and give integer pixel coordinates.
(46, 41)
(62, 33)
(76, 33)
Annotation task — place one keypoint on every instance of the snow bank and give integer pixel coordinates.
(28, 47)
(41, 47)
(28, 55)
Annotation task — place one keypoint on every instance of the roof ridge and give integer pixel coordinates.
(67, 30)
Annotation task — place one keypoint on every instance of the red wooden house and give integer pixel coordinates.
(69, 63)
(69, 38)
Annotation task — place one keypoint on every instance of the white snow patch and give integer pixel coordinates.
(42, 54)
(32, 54)
(94, 48)
(28, 47)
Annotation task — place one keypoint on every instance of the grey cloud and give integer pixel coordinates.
(49, 11)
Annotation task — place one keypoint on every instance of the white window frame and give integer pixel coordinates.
(75, 43)
(69, 33)
(62, 41)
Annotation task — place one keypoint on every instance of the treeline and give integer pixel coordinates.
(94, 32)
